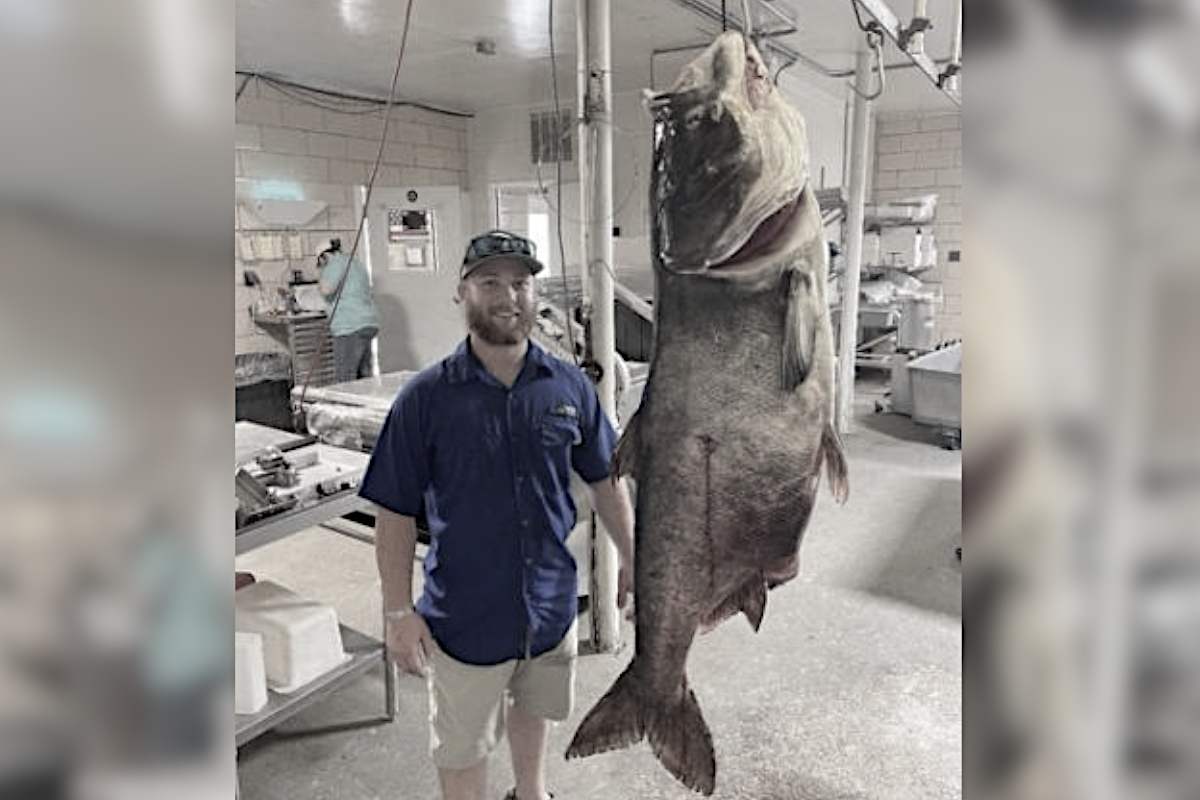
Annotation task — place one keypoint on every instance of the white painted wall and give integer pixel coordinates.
(920, 153)
(326, 155)
(285, 146)
(498, 152)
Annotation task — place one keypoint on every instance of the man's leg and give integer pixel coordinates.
(527, 741)
(345, 358)
(543, 690)
(464, 784)
(365, 337)
(466, 705)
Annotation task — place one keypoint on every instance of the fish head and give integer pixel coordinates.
(730, 160)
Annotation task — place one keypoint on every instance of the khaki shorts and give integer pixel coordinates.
(468, 703)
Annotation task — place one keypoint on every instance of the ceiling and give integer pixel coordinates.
(351, 46)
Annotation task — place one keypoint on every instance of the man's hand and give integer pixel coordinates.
(625, 596)
(409, 643)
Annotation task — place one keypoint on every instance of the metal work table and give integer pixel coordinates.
(364, 651)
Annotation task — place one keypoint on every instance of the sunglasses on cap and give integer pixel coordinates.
(500, 243)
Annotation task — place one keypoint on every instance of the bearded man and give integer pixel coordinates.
(483, 443)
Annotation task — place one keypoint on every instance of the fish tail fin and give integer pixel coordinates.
(835, 464)
(614, 722)
(680, 739)
(750, 599)
(678, 734)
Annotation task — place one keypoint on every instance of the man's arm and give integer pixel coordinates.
(330, 275)
(610, 499)
(395, 551)
(407, 635)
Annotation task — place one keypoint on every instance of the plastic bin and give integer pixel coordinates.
(301, 638)
(937, 387)
(249, 673)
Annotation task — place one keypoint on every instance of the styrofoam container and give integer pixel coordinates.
(301, 639)
(937, 387)
(249, 673)
(901, 384)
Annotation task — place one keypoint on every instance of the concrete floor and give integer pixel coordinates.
(850, 690)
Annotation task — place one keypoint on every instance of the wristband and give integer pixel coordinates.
(398, 613)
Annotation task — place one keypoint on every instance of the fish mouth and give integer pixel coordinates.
(767, 237)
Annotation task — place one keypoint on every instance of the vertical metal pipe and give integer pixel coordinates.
(856, 200)
(955, 47)
(597, 107)
(916, 44)
(582, 138)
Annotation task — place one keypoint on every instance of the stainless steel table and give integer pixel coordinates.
(365, 652)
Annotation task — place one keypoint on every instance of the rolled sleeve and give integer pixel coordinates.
(398, 471)
(592, 457)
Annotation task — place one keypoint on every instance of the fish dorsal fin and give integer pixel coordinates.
(798, 332)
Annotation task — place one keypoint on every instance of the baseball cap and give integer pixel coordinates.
(500, 244)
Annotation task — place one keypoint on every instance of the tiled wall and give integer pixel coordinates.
(288, 147)
(918, 153)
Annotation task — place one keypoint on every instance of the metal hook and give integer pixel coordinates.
(875, 42)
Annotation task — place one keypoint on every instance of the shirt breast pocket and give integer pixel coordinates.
(560, 428)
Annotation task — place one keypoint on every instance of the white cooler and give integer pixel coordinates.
(249, 673)
(301, 640)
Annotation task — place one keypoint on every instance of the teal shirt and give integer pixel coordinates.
(355, 310)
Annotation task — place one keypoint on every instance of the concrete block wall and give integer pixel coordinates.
(918, 153)
(287, 148)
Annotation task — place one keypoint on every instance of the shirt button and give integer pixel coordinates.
(524, 523)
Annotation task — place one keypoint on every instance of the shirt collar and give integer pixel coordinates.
(463, 365)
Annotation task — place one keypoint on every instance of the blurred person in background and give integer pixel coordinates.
(353, 320)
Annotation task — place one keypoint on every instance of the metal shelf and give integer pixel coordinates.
(281, 525)
(363, 650)
(364, 653)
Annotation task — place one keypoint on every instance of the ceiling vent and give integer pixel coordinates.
(551, 137)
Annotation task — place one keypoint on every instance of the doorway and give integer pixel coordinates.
(415, 234)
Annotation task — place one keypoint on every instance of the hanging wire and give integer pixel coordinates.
(339, 102)
(387, 118)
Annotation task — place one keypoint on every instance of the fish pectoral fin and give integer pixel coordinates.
(798, 335)
(835, 464)
(681, 741)
(614, 722)
(625, 459)
(750, 599)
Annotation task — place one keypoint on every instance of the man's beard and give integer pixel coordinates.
(480, 323)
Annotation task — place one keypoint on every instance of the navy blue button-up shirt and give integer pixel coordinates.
(490, 467)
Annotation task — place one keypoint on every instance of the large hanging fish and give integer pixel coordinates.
(736, 419)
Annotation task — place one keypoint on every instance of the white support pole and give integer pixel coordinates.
(596, 104)
(916, 43)
(952, 84)
(582, 144)
(856, 200)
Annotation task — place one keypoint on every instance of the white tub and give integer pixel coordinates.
(936, 380)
